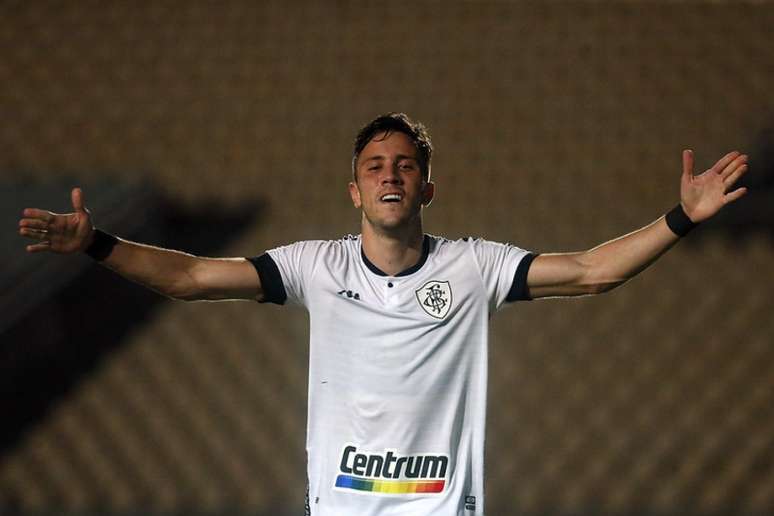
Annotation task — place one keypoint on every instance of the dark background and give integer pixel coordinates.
(225, 128)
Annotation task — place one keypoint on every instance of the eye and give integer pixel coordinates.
(374, 167)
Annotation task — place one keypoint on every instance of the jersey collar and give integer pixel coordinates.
(411, 270)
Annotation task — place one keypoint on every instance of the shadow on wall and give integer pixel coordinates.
(754, 214)
(87, 315)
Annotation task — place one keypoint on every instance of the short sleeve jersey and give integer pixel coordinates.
(398, 370)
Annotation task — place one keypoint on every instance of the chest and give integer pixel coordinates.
(357, 301)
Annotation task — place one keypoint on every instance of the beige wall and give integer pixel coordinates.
(556, 125)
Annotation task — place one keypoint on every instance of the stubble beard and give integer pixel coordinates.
(394, 226)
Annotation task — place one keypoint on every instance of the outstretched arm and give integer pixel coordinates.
(171, 273)
(613, 263)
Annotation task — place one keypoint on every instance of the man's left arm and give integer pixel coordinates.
(613, 263)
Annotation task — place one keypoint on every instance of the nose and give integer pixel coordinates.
(391, 176)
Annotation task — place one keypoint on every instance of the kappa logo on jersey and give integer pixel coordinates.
(349, 294)
(390, 473)
(435, 298)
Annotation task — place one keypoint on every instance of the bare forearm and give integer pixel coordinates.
(608, 265)
(602, 268)
(184, 276)
(171, 273)
(615, 262)
(166, 271)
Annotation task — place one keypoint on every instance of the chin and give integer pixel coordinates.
(392, 223)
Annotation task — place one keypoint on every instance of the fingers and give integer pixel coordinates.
(725, 161)
(33, 223)
(35, 213)
(36, 248)
(733, 166)
(35, 228)
(731, 177)
(687, 164)
(77, 198)
(736, 194)
(38, 234)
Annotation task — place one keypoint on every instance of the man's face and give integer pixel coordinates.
(389, 187)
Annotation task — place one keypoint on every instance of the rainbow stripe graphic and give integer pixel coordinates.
(390, 486)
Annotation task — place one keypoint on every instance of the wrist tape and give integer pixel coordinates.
(679, 222)
(101, 246)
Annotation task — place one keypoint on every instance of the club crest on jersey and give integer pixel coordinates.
(435, 298)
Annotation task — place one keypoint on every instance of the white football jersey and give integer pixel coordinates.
(398, 371)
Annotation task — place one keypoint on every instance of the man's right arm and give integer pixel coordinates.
(184, 276)
(171, 273)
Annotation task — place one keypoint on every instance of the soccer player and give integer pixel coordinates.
(398, 318)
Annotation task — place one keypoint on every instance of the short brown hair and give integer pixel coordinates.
(396, 122)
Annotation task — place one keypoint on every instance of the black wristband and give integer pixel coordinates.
(679, 222)
(101, 246)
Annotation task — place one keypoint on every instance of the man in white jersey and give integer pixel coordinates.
(398, 319)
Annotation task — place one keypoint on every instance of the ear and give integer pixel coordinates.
(428, 191)
(354, 193)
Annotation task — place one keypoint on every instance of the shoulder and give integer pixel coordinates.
(306, 257)
(488, 253)
(463, 244)
(447, 244)
(446, 249)
(482, 244)
(344, 244)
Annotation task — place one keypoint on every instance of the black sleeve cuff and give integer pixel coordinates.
(271, 279)
(519, 290)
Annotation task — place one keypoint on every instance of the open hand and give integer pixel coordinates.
(703, 195)
(60, 233)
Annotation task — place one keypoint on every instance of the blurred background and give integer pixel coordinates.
(225, 128)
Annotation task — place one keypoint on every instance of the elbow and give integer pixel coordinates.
(598, 278)
(597, 281)
(603, 287)
(185, 287)
(183, 296)
(179, 293)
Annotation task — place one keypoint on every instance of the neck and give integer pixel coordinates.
(393, 251)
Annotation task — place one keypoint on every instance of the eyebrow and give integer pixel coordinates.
(399, 157)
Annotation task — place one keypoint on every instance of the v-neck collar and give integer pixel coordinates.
(411, 270)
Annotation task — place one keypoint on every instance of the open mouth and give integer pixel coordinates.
(391, 197)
